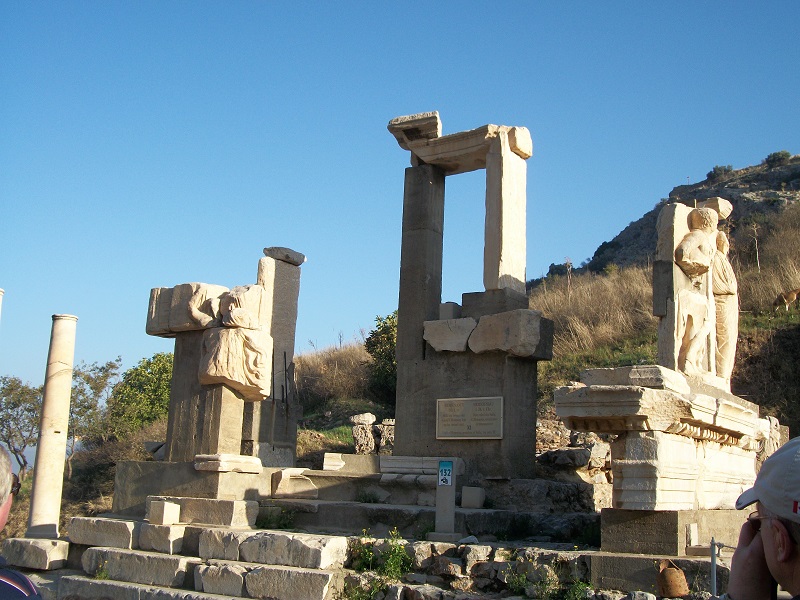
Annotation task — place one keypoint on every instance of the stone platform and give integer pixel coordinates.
(212, 563)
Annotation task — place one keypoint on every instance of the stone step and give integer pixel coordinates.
(81, 587)
(416, 521)
(303, 550)
(139, 566)
(254, 580)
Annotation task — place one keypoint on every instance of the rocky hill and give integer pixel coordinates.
(755, 192)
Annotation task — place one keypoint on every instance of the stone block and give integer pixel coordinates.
(164, 513)
(288, 583)
(524, 333)
(209, 511)
(351, 463)
(291, 483)
(222, 543)
(221, 578)
(363, 419)
(286, 255)
(294, 549)
(449, 310)
(167, 539)
(41, 554)
(450, 335)
(652, 376)
(491, 302)
(78, 586)
(180, 315)
(137, 566)
(228, 463)
(654, 470)
(413, 128)
(98, 531)
(472, 497)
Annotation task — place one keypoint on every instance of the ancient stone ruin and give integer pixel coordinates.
(466, 372)
(684, 442)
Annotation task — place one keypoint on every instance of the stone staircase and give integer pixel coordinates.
(200, 562)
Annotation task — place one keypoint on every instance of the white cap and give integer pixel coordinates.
(777, 485)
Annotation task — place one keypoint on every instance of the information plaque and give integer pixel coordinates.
(469, 418)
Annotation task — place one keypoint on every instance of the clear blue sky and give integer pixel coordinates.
(147, 144)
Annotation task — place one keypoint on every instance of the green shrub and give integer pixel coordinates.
(778, 158)
(395, 561)
(718, 172)
(380, 344)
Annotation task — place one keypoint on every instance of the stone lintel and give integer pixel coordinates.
(412, 128)
(449, 335)
(523, 333)
(457, 152)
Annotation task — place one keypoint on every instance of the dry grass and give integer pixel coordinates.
(593, 310)
(780, 264)
(335, 372)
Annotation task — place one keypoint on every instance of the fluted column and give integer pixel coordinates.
(48, 471)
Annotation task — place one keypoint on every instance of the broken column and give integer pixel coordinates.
(48, 471)
(466, 374)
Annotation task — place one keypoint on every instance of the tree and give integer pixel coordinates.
(141, 397)
(20, 407)
(778, 158)
(91, 389)
(380, 344)
(718, 172)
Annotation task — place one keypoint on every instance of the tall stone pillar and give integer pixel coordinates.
(2, 293)
(420, 295)
(48, 471)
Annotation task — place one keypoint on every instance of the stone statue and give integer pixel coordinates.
(695, 255)
(726, 300)
(237, 351)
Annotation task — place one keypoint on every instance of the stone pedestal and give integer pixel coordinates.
(681, 445)
(667, 532)
(48, 472)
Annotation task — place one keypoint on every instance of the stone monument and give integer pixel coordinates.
(684, 442)
(233, 407)
(466, 373)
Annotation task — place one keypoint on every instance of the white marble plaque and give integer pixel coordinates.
(469, 418)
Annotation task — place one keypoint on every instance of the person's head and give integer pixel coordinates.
(7, 482)
(705, 219)
(776, 495)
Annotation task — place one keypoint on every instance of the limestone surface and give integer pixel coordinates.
(98, 531)
(167, 539)
(295, 549)
(39, 554)
(288, 583)
(451, 335)
(517, 332)
(221, 578)
(137, 566)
